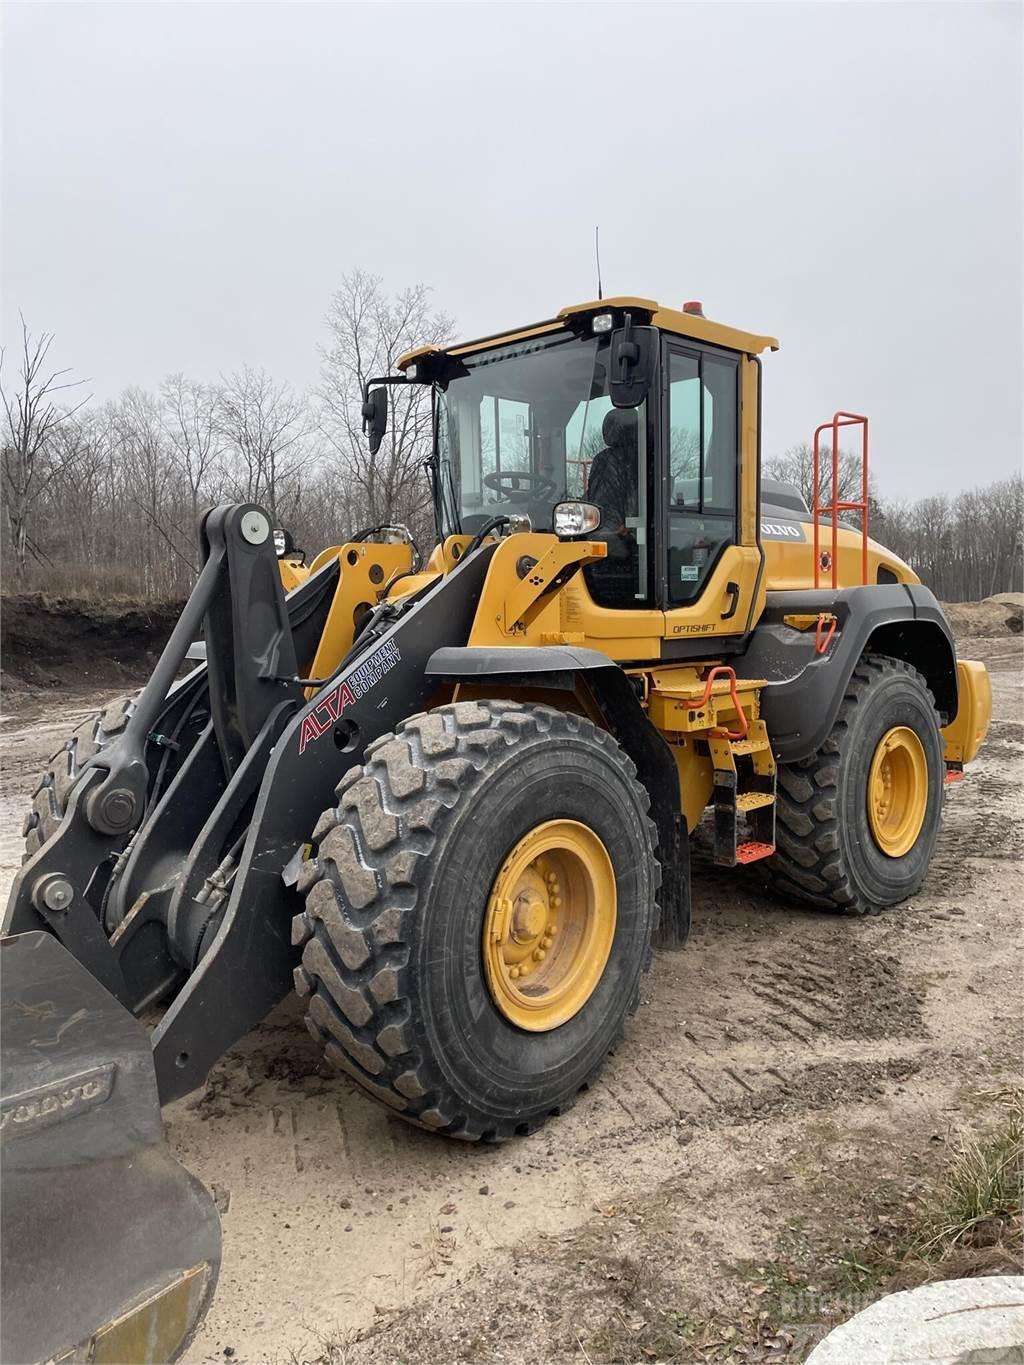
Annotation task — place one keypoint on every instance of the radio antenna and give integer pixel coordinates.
(597, 254)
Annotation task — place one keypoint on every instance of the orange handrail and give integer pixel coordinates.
(839, 419)
(734, 697)
(823, 637)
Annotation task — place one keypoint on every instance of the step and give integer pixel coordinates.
(750, 746)
(750, 853)
(754, 800)
(691, 693)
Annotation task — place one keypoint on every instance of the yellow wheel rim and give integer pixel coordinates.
(549, 925)
(898, 791)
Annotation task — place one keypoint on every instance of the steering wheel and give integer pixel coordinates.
(510, 484)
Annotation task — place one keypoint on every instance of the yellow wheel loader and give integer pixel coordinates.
(450, 804)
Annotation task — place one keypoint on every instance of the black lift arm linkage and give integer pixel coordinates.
(190, 898)
(249, 963)
(239, 600)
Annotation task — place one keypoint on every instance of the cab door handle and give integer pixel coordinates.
(733, 591)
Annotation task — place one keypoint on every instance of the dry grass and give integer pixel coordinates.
(959, 1220)
(977, 1208)
(964, 1221)
(91, 593)
(97, 582)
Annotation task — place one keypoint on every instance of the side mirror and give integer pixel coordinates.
(633, 351)
(375, 416)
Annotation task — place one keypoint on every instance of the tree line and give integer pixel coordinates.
(103, 498)
(965, 547)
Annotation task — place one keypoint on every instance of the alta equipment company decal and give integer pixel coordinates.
(328, 711)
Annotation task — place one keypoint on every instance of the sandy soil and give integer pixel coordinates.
(784, 1063)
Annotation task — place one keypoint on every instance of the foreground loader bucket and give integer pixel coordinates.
(110, 1248)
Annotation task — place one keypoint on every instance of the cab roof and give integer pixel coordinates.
(644, 311)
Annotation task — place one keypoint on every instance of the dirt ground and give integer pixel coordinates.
(787, 1083)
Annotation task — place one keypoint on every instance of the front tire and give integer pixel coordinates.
(429, 836)
(858, 820)
(51, 796)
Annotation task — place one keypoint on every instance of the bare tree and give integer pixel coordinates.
(189, 414)
(265, 426)
(370, 331)
(32, 416)
(70, 515)
(150, 484)
(796, 466)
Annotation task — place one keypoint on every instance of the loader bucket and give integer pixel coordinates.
(110, 1248)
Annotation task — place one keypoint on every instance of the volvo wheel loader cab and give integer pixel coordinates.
(451, 803)
(606, 404)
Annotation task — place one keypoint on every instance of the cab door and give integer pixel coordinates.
(711, 562)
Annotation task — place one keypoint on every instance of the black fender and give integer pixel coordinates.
(805, 689)
(612, 693)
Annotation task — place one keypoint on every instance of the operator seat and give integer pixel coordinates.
(613, 486)
(613, 483)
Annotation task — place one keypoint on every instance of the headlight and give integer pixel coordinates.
(572, 519)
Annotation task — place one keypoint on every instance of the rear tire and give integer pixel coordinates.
(393, 931)
(827, 853)
(50, 798)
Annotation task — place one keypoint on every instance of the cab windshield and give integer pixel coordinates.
(522, 427)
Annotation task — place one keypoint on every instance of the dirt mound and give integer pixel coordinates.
(972, 620)
(49, 642)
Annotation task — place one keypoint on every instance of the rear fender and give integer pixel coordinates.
(964, 735)
(804, 689)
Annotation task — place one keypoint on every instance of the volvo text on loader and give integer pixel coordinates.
(451, 803)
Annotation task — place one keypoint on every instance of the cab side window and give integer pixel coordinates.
(703, 459)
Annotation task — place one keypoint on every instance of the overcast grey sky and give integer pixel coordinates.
(184, 185)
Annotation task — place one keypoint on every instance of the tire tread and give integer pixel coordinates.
(808, 866)
(389, 820)
(50, 798)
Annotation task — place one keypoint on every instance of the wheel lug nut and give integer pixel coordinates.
(556, 901)
(545, 942)
(539, 954)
